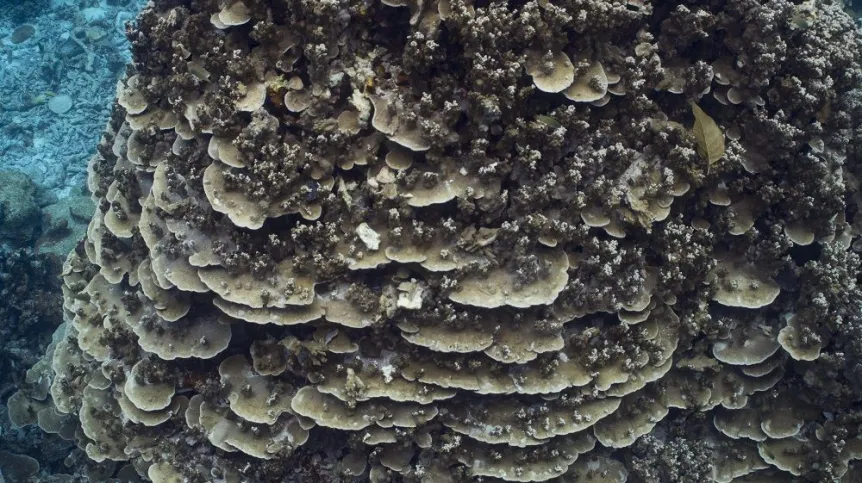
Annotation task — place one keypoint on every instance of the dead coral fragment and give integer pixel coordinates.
(253, 397)
(526, 464)
(22, 33)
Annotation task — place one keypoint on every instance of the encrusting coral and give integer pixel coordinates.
(456, 240)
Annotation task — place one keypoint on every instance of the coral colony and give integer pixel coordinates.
(440, 241)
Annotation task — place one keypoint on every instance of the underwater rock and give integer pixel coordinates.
(29, 288)
(19, 210)
(65, 223)
(22, 34)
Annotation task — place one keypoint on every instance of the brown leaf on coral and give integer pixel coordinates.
(707, 134)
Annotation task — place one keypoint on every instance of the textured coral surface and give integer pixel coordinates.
(444, 240)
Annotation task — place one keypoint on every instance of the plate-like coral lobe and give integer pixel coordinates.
(451, 240)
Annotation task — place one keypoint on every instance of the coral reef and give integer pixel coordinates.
(450, 240)
(28, 287)
(854, 8)
(19, 210)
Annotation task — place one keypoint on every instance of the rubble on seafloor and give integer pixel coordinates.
(445, 240)
(60, 61)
